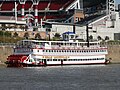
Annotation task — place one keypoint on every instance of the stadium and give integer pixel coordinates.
(61, 16)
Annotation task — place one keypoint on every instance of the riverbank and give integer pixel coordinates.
(2, 65)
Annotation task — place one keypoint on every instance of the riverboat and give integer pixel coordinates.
(44, 53)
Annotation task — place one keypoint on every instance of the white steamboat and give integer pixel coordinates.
(39, 53)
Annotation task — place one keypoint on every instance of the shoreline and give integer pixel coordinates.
(3, 65)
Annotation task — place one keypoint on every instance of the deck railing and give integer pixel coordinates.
(101, 44)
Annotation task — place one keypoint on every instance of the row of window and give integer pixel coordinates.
(71, 59)
(74, 44)
(74, 50)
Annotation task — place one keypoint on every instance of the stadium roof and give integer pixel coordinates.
(86, 3)
(89, 3)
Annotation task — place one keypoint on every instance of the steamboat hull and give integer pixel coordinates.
(32, 65)
(56, 63)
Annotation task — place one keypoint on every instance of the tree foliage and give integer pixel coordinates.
(5, 33)
(99, 38)
(107, 38)
(26, 35)
(37, 36)
(57, 35)
(15, 34)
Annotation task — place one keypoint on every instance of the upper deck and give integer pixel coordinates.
(61, 47)
(56, 44)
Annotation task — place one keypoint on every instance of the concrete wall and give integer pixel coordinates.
(113, 52)
(4, 52)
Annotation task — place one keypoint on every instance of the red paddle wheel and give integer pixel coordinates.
(16, 60)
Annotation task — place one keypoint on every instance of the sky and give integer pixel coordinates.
(117, 1)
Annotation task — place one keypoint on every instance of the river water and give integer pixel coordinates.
(79, 77)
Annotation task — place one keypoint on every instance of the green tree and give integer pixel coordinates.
(5, 33)
(8, 34)
(99, 38)
(15, 34)
(57, 35)
(107, 38)
(37, 36)
(26, 35)
(91, 37)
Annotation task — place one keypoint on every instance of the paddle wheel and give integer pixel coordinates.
(17, 60)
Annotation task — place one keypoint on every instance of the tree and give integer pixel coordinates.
(26, 35)
(7, 33)
(91, 37)
(99, 38)
(107, 38)
(22, 27)
(57, 35)
(15, 34)
(4, 27)
(37, 36)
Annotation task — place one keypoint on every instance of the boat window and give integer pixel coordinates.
(49, 59)
(59, 59)
(54, 59)
(64, 59)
